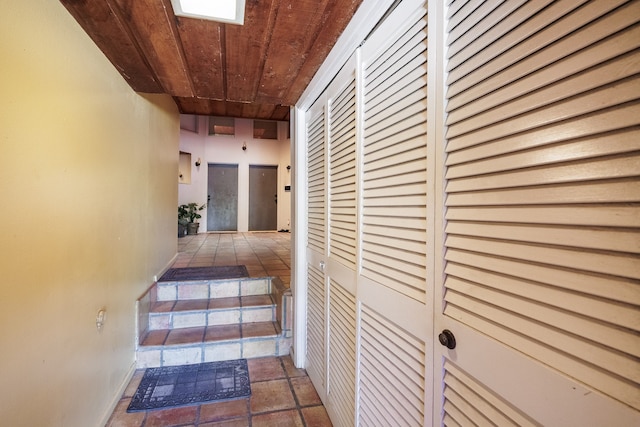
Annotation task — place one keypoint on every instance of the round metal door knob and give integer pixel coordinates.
(447, 339)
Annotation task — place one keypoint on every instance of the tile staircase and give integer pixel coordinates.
(199, 321)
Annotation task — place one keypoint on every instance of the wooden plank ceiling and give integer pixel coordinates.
(256, 70)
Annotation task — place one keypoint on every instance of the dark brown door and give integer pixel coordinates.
(263, 198)
(222, 201)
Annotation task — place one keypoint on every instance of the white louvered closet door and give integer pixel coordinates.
(542, 265)
(394, 288)
(316, 245)
(331, 248)
(342, 237)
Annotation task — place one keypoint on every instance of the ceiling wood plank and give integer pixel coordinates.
(113, 37)
(208, 107)
(246, 47)
(153, 24)
(203, 43)
(251, 110)
(337, 17)
(192, 105)
(218, 108)
(288, 49)
(281, 112)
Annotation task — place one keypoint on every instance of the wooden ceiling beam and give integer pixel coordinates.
(289, 45)
(246, 47)
(203, 43)
(153, 25)
(208, 107)
(104, 25)
(281, 112)
(335, 20)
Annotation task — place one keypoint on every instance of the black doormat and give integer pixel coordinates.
(204, 273)
(174, 386)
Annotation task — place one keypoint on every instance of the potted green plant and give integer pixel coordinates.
(183, 220)
(188, 214)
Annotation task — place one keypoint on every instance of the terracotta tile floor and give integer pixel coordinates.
(264, 254)
(281, 396)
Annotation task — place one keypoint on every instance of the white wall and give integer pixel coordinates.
(228, 150)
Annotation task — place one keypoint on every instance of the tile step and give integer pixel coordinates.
(208, 289)
(170, 347)
(217, 311)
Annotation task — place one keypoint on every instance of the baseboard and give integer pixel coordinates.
(292, 353)
(115, 399)
(168, 266)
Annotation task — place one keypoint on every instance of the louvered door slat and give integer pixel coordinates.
(315, 325)
(589, 261)
(600, 122)
(519, 26)
(395, 398)
(615, 47)
(627, 291)
(315, 177)
(402, 96)
(485, 27)
(391, 215)
(487, 403)
(601, 309)
(407, 190)
(394, 166)
(471, 410)
(459, 12)
(621, 240)
(397, 260)
(603, 145)
(398, 120)
(392, 372)
(620, 191)
(396, 280)
(404, 237)
(375, 409)
(397, 381)
(471, 12)
(408, 223)
(594, 330)
(609, 96)
(396, 62)
(517, 63)
(569, 87)
(342, 354)
(610, 215)
(413, 129)
(342, 174)
(408, 142)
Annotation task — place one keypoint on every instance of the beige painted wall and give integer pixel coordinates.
(88, 185)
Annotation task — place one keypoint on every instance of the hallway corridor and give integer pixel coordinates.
(281, 394)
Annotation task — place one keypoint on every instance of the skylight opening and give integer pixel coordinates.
(228, 11)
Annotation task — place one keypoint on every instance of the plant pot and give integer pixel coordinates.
(182, 230)
(192, 228)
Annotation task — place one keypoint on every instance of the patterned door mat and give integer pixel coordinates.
(174, 386)
(204, 273)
